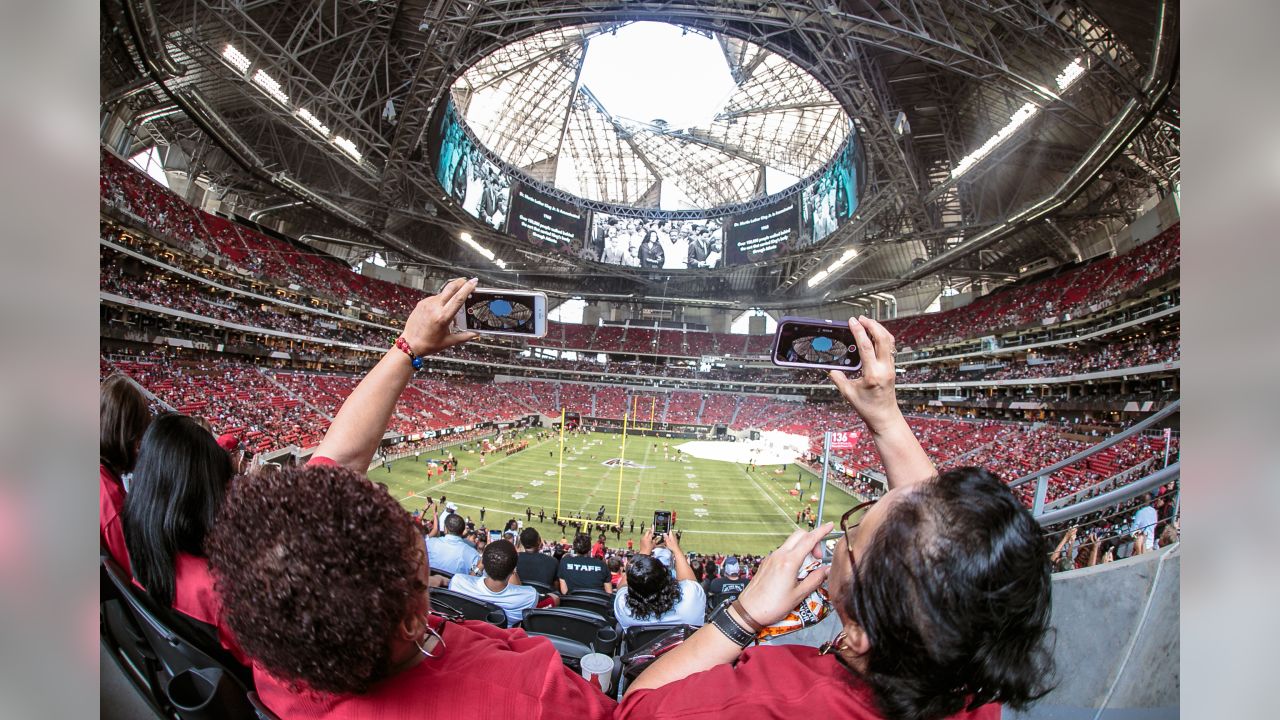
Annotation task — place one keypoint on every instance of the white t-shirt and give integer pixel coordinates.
(1145, 520)
(514, 599)
(690, 609)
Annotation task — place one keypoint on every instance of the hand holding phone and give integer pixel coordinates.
(872, 394)
(503, 312)
(661, 523)
(427, 329)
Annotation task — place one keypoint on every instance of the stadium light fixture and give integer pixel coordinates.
(270, 86)
(235, 58)
(822, 275)
(348, 147)
(486, 252)
(313, 121)
(1070, 74)
(1065, 79)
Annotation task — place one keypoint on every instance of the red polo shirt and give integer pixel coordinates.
(110, 508)
(782, 681)
(480, 672)
(195, 596)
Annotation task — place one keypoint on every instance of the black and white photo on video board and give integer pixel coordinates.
(655, 244)
(833, 198)
(478, 185)
(488, 192)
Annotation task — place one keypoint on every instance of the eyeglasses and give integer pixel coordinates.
(845, 528)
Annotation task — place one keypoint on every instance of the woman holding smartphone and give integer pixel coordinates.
(324, 581)
(941, 587)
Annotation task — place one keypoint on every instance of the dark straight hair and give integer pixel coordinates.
(123, 416)
(178, 487)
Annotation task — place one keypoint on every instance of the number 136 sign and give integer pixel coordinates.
(843, 440)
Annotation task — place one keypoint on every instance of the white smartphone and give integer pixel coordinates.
(504, 312)
(815, 343)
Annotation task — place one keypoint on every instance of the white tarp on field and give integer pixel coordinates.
(773, 448)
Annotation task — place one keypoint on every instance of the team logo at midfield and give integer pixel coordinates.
(615, 462)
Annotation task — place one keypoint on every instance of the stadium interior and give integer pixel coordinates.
(282, 183)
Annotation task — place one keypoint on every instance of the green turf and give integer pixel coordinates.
(745, 512)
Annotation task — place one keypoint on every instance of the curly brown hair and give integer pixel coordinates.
(316, 566)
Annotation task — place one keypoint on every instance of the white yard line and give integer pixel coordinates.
(768, 495)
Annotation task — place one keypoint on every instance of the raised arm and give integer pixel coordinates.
(356, 431)
(771, 594)
(873, 397)
(683, 571)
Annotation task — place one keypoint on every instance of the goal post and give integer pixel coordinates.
(560, 478)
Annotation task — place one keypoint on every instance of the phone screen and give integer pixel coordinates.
(495, 535)
(661, 522)
(496, 311)
(802, 342)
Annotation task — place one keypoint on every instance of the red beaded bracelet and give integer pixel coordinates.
(403, 345)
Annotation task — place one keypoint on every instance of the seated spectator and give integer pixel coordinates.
(500, 582)
(941, 588)
(450, 552)
(123, 417)
(652, 596)
(177, 490)
(580, 571)
(615, 571)
(731, 582)
(531, 564)
(324, 581)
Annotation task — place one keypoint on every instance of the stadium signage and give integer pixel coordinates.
(843, 440)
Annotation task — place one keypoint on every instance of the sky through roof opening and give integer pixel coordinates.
(651, 115)
(649, 71)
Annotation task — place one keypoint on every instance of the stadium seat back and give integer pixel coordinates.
(598, 594)
(468, 607)
(196, 684)
(541, 587)
(603, 608)
(128, 647)
(637, 635)
(264, 712)
(586, 629)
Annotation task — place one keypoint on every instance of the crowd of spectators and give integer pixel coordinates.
(242, 248)
(1098, 358)
(1073, 293)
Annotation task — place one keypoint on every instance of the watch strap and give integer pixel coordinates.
(746, 616)
(725, 623)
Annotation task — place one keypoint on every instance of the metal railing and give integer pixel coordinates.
(1041, 477)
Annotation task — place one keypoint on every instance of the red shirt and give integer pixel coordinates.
(194, 596)
(480, 673)
(597, 550)
(110, 508)
(782, 681)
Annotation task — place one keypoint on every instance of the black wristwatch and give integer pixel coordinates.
(725, 623)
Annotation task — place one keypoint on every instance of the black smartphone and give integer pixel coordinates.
(815, 343)
(661, 522)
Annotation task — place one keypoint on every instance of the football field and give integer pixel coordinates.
(720, 506)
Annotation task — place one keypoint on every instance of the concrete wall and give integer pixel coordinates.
(1118, 641)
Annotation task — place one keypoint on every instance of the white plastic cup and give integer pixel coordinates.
(597, 668)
